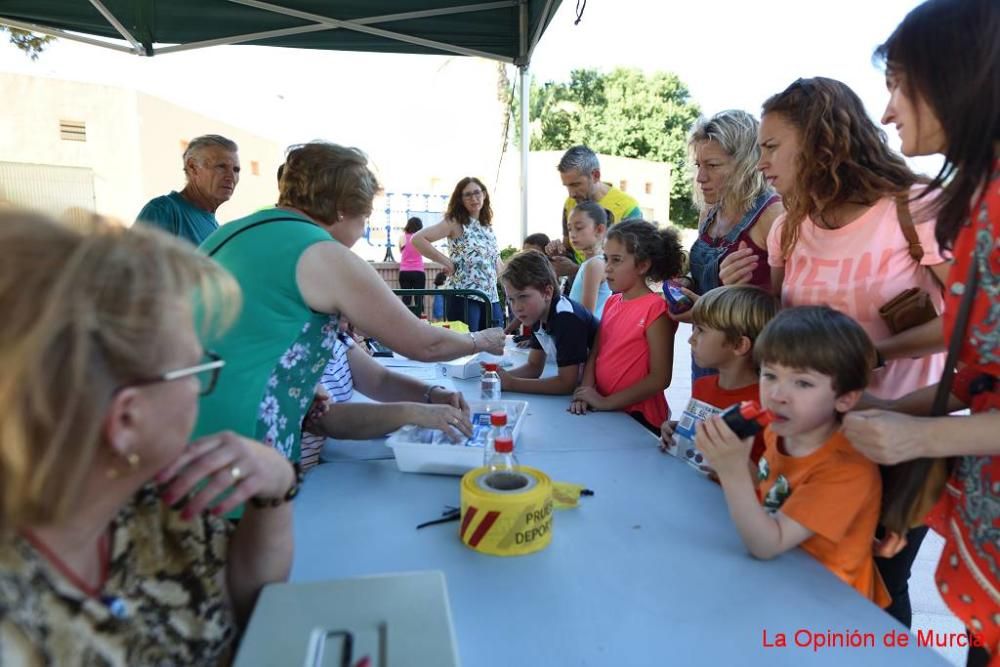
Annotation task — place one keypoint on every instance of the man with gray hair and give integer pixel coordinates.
(212, 170)
(580, 171)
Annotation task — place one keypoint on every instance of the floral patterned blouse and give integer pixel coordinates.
(163, 602)
(276, 350)
(292, 386)
(475, 255)
(968, 514)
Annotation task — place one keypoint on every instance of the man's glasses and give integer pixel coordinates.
(472, 195)
(207, 372)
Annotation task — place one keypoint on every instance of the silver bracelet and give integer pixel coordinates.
(430, 390)
(475, 341)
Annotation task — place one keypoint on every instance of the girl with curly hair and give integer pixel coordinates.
(841, 243)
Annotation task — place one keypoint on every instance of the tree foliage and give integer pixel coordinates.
(30, 42)
(625, 113)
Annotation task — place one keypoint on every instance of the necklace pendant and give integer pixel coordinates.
(115, 606)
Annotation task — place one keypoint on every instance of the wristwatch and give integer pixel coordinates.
(293, 490)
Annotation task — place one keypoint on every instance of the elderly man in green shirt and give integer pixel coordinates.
(212, 170)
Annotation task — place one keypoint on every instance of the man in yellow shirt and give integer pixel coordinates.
(580, 172)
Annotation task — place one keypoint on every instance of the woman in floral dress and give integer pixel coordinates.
(473, 259)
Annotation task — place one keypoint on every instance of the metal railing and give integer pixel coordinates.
(474, 293)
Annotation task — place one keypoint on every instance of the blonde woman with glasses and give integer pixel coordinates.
(111, 548)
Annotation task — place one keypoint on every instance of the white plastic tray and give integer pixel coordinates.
(451, 458)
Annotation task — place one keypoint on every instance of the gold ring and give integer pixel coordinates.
(236, 473)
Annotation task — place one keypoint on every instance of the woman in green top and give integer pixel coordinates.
(295, 267)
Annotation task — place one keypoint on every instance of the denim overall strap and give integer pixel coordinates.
(758, 206)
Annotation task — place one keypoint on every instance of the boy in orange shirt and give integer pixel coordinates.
(813, 489)
(725, 323)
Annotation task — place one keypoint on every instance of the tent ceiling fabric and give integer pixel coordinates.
(487, 28)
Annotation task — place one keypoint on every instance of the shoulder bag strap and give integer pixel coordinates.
(940, 406)
(907, 227)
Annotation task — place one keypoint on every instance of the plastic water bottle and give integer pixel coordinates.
(498, 429)
(490, 385)
(503, 460)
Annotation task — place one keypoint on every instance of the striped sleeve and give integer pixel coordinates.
(337, 378)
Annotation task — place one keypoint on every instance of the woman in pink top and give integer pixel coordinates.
(411, 264)
(840, 242)
(631, 360)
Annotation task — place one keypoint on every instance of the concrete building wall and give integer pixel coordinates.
(132, 143)
(164, 130)
(30, 133)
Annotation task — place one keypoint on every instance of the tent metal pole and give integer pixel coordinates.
(239, 39)
(385, 18)
(525, 145)
(543, 20)
(399, 37)
(523, 61)
(117, 25)
(62, 34)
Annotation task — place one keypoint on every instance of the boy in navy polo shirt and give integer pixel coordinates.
(561, 329)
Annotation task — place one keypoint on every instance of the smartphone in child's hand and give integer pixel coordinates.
(678, 300)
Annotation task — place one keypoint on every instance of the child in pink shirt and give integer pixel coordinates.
(632, 357)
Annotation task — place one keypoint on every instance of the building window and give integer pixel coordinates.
(255, 167)
(649, 188)
(623, 185)
(72, 130)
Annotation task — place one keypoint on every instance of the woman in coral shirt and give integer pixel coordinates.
(840, 242)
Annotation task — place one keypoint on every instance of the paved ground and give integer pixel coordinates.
(929, 611)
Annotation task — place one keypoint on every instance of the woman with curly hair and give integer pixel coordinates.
(474, 260)
(841, 243)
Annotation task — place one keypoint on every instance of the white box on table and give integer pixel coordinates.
(447, 458)
(462, 368)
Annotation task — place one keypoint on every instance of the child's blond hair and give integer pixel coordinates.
(736, 311)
